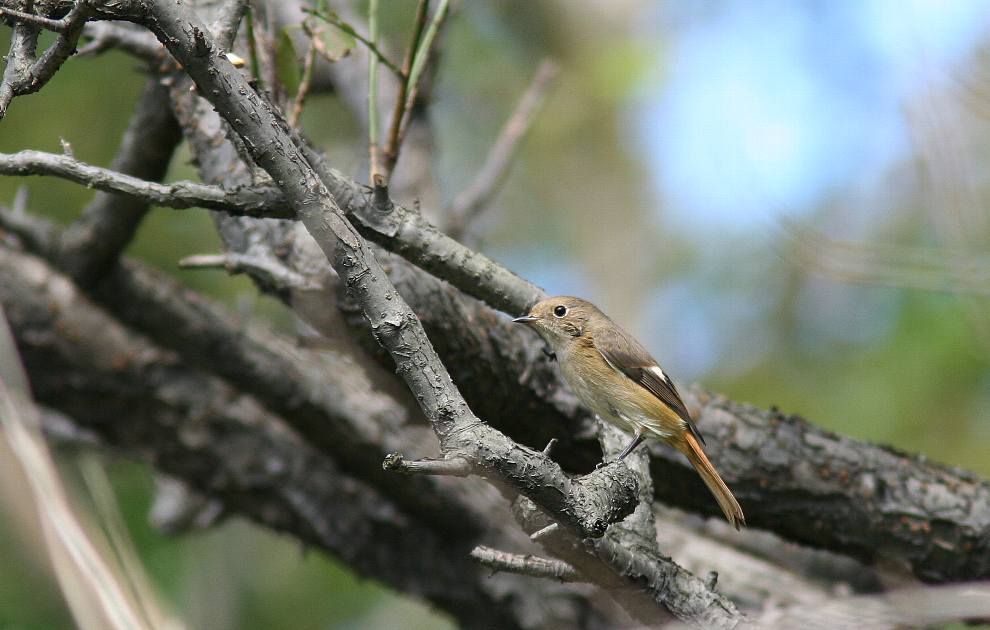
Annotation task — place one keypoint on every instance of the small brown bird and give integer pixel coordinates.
(617, 378)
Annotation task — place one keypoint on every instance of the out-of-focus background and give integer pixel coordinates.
(786, 201)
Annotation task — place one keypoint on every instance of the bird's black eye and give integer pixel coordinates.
(560, 311)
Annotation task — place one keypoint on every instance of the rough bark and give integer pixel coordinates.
(807, 484)
(142, 400)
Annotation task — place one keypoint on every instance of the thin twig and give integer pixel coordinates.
(333, 19)
(525, 564)
(265, 202)
(226, 25)
(57, 26)
(126, 37)
(479, 193)
(26, 73)
(307, 79)
(453, 467)
(252, 44)
(277, 274)
(398, 112)
(416, 73)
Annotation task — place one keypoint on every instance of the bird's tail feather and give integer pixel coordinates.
(688, 445)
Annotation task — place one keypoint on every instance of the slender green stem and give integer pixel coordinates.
(253, 48)
(416, 72)
(425, 47)
(391, 151)
(375, 167)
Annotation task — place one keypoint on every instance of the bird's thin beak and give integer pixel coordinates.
(525, 319)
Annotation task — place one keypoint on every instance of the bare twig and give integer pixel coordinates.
(258, 201)
(127, 37)
(26, 73)
(280, 276)
(479, 193)
(56, 26)
(453, 467)
(252, 43)
(225, 28)
(309, 62)
(525, 564)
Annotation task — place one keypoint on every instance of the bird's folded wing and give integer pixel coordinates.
(626, 355)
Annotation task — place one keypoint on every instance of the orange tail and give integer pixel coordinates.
(688, 445)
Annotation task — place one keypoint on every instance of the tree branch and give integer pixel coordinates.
(533, 566)
(266, 138)
(396, 326)
(753, 475)
(193, 426)
(92, 243)
(408, 233)
(258, 201)
(482, 189)
(124, 36)
(26, 73)
(269, 269)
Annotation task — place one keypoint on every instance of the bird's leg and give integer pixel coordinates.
(628, 449)
(632, 445)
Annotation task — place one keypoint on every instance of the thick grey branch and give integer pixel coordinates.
(409, 234)
(394, 324)
(143, 400)
(280, 376)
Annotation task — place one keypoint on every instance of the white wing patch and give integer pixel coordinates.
(659, 373)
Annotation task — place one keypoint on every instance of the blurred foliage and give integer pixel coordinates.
(580, 213)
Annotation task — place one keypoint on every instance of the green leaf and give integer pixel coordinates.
(287, 67)
(339, 40)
